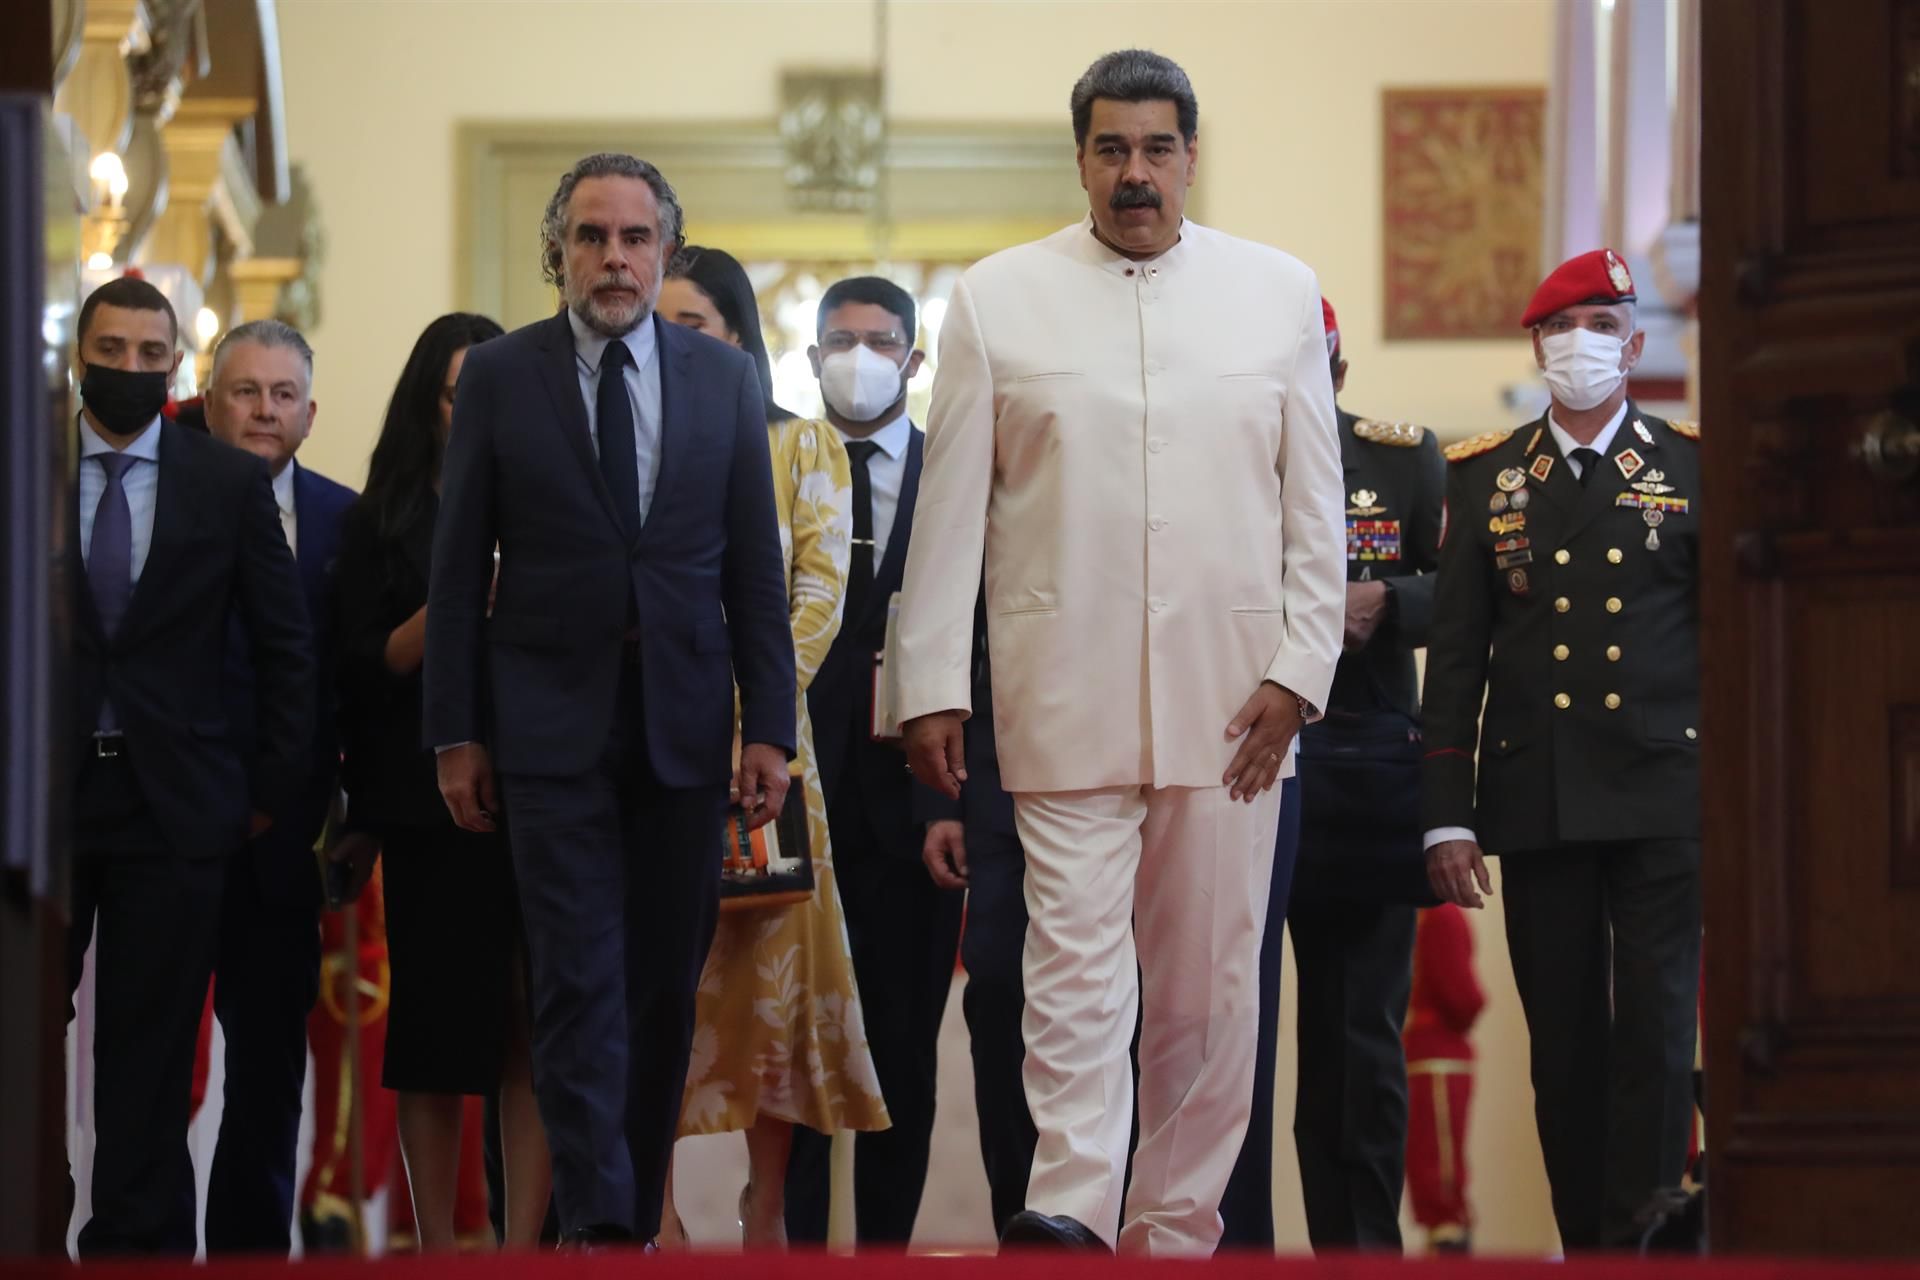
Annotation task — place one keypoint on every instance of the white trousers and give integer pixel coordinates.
(1184, 871)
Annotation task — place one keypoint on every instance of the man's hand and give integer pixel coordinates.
(358, 850)
(258, 823)
(1452, 868)
(466, 784)
(1366, 610)
(937, 751)
(1266, 725)
(760, 785)
(945, 854)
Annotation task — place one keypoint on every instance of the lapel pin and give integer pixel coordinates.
(1510, 479)
(1629, 463)
(1640, 429)
(1542, 467)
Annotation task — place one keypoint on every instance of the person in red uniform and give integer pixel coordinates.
(1446, 1002)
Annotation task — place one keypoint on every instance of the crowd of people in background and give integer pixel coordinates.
(602, 604)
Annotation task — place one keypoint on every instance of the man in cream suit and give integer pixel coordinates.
(1133, 421)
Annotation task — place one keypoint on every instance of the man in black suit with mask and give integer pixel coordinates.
(904, 931)
(172, 531)
(620, 464)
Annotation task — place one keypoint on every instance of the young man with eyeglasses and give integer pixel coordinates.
(904, 931)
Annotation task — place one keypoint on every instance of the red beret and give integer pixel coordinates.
(1332, 326)
(1598, 278)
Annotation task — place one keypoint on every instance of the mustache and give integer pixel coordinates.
(612, 280)
(1134, 198)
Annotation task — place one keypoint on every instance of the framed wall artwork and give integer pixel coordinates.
(1462, 207)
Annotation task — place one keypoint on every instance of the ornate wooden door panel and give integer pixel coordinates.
(1810, 401)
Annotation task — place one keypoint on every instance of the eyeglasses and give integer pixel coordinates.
(887, 342)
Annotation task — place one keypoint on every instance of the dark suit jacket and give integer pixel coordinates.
(282, 857)
(702, 588)
(840, 700)
(984, 805)
(1408, 484)
(217, 551)
(1584, 613)
(378, 584)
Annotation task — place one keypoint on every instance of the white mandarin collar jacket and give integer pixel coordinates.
(1147, 455)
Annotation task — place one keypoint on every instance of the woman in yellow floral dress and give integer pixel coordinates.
(778, 1037)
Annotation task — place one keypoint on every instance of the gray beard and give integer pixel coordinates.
(583, 307)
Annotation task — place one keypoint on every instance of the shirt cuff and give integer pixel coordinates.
(1440, 835)
(440, 751)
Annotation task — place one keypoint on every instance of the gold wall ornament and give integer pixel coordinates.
(97, 94)
(834, 131)
(1462, 209)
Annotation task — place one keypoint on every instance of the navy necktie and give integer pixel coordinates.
(860, 566)
(1589, 460)
(613, 415)
(110, 558)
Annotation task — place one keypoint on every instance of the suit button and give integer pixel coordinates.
(1503, 744)
(1614, 555)
(1613, 653)
(1561, 653)
(1562, 701)
(1692, 734)
(1562, 604)
(1613, 604)
(1562, 556)
(1613, 702)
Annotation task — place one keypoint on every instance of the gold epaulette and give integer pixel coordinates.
(1461, 450)
(1691, 430)
(1401, 435)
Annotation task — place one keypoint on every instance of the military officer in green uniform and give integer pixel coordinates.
(1360, 871)
(1569, 600)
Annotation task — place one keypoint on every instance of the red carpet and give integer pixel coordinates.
(816, 1266)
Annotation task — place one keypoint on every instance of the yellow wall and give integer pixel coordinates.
(1289, 98)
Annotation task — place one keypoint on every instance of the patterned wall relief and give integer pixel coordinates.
(1462, 209)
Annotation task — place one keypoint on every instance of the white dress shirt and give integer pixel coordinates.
(643, 391)
(283, 497)
(1600, 444)
(887, 470)
(141, 484)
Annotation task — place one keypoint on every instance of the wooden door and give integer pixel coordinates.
(1810, 404)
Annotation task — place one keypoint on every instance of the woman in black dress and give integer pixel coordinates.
(457, 1023)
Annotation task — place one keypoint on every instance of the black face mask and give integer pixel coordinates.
(121, 400)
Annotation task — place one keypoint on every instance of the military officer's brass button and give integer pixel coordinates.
(1613, 702)
(1613, 653)
(1691, 733)
(1562, 556)
(1562, 701)
(1503, 742)
(1563, 604)
(1613, 604)
(1561, 653)
(1615, 555)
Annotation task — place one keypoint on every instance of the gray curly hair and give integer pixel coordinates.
(605, 164)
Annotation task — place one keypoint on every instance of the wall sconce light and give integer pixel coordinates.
(107, 220)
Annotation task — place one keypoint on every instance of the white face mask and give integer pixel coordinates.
(860, 384)
(1583, 367)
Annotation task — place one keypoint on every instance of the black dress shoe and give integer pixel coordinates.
(1030, 1230)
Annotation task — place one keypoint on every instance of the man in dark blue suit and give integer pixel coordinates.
(902, 929)
(175, 535)
(620, 466)
(267, 971)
